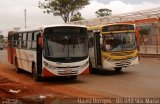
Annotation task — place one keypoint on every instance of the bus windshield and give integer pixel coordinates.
(66, 44)
(119, 42)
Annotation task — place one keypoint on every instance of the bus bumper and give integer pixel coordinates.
(122, 63)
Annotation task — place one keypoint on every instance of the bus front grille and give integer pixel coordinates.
(122, 63)
(121, 53)
(69, 67)
(65, 72)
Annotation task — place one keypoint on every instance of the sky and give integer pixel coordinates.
(12, 11)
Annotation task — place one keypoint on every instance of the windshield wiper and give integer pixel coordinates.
(67, 38)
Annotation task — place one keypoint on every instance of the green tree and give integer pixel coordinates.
(103, 12)
(63, 8)
(76, 17)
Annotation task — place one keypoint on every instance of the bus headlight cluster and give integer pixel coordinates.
(49, 66)
(84, 65)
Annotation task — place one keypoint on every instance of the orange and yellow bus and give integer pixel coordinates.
(113, 46)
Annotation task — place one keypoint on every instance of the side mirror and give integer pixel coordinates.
(100, 35)
(40, 41)
(101, 39)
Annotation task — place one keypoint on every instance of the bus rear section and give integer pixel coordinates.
(59, 50)
(113, 46)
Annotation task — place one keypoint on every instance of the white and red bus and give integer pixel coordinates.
(57, 50)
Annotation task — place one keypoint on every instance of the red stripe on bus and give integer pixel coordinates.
(47, 73)
(86, 71)
(9, 55)
(14, 55)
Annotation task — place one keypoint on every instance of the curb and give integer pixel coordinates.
(149, 55)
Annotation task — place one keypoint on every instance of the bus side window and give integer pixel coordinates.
(24, 40)
(34, 40)
(19, 42)
(15, 40)
(9, 40)
(90, 39)
(29, 40)
(91, 42)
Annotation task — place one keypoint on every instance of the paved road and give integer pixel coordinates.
(139, 81)
(142, 80)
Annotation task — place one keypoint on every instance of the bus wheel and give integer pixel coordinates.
(91, 70)
(118, 69)
(35, 75)
(74, 77)
(18, 70)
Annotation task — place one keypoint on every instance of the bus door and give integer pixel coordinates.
(39, 56)
(94, 49)
(97, 49)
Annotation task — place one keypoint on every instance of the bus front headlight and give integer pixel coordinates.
(85, 64)
(49, 66)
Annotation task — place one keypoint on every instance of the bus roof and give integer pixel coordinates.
(29, 29)
(59, 25)
(43, 27)
(99, 27)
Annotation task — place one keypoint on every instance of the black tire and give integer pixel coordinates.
(118, 69)
(94, 70)
(90, 67)
(74, 77)
(35, 74)
(18, 70)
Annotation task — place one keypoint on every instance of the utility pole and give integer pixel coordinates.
(25, 19)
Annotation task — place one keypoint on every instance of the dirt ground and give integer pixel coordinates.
(12, 91)
(17, 88)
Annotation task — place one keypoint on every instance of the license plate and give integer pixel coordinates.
(68, 70)
(123, 62)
